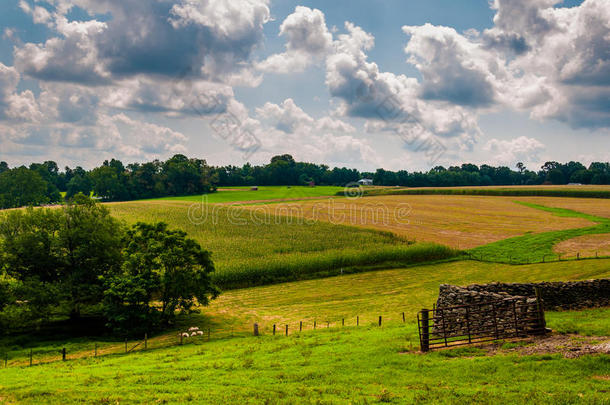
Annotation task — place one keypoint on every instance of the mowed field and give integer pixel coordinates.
(387, 293)
(456, 221)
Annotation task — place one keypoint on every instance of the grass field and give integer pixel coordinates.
(252, 250)
(457, 221)
(350, 364)
(242, 194)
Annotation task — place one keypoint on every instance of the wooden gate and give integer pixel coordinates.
(480, 322)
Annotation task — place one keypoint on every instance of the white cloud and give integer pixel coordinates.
(307, 41)
(521, 149)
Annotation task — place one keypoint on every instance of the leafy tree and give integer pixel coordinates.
(62, 250)
(22, 187)
(160, 265)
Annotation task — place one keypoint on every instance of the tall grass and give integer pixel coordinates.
(531, 191)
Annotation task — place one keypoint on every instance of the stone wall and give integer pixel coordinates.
(555, 295)
(513, 308)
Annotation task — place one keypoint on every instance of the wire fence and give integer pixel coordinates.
(550, 258)
(37, 356)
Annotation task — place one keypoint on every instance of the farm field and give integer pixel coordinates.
(457, 221)
(250, 250)
(241, 194)
(350, 364)
(586, 245)
(580, 191)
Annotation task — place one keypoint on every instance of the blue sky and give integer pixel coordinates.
(366, 84)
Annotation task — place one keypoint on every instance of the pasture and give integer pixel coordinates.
(364, 364)
(264, 193)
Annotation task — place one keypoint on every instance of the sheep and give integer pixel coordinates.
(185, 334)
(200, 333)
(194, 334)
(193, 328)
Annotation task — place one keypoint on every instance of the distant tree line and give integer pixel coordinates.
(77, 261)
(42, 183)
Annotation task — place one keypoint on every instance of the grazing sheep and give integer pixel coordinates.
(192, 328)
(194, 334)
(200, 333)
(185, 334)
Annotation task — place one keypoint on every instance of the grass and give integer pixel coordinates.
(254, 250)
(515, 191)
(363, 365)
(457, 221)
(242, 194)
(360, 365)
(538, 247)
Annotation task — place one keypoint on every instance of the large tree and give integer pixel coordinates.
(161, 265)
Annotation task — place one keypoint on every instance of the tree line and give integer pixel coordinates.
(77, 262)
(44, 183)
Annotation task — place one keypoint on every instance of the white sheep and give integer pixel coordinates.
(200, 333)
(185, 334)
(193, 328)
(194, 334)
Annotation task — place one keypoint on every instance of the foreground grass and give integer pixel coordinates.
(355, 365)
(244, 194)
(538, 247)
(253, 250)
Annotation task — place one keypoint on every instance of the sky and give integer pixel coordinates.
(365, 84)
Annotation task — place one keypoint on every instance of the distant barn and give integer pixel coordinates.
(365, 182)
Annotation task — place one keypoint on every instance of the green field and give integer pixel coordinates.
(350, 364)
(241, 194)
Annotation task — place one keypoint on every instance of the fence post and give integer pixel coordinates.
(425, 330)
(314, 325)
(31, 355)
(146, 341)
(63, 354)
(342, 321)
(286, 330)
(403, 317)
(578, 256)
(300, 326)
(379, 320)
(95, 350)
(327, 324)
(181, 339)
(540, 307)
(274, 329)
(256, 329)
(357, 320)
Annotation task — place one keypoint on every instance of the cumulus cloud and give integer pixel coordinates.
(210, 40)
(521, 149)
(307, 41)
